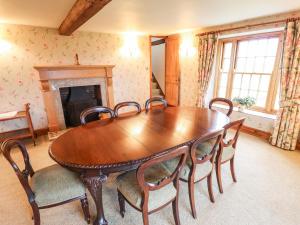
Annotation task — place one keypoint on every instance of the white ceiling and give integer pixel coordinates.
(146, 16)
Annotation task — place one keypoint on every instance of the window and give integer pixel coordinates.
(248, 66)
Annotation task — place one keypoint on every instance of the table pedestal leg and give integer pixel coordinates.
(94, 185)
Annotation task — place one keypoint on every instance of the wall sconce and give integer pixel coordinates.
(187, 48)
(5, 46)
(130, 47)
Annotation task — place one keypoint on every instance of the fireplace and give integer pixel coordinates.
(76, 99)
(64, 86)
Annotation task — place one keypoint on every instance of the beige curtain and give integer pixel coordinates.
(207, 49)
(287, 125)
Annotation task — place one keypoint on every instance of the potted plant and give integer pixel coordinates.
(244, 103)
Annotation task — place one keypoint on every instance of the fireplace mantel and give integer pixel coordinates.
(49, 75)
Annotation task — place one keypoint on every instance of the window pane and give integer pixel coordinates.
(222, 92)
(254, 82)
(269, 64)
(235, 93)
(259, 64)
(249, 65)
(243, 93)
(223, 81)
(227, 50)
(240, 64)
(237, 81)
(261, 48)
(246, 82)
(253, 94)
(243, 48)
(264, 83)
(252, 48)
(272, 46)
(261, 99)
(226, 65)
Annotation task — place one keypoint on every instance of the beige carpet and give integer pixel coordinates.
(267, 193)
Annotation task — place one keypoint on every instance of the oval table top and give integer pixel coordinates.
(131, 140)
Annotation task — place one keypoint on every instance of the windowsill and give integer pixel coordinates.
(247, 111)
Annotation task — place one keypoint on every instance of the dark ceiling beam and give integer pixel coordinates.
(80, 12)
(158, 42)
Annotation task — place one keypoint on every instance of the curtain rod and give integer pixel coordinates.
(248, 26)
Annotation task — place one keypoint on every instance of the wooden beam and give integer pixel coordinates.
(81, 12)
(158, 42)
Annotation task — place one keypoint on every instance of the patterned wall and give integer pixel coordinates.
(31, 46)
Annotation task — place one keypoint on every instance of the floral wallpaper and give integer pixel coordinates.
(22, 47)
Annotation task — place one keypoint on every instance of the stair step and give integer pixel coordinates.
(154, 85)
(155, 92)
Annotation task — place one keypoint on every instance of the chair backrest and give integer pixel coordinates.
(224, 100)
(234, 124)
(173, 177)
(23, 175)
(125, 104)
(155, 99)
(215, 137)
(86, 114)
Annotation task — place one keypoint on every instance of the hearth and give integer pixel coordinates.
(75, 99)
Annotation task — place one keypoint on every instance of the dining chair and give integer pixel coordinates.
(227, 150)
(223, 100)
(155, 99)
(94, 113)
(152, 187)
(47, 187)
(199, 165)
(126, 104)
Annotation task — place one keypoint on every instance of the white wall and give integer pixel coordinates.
(158, 64)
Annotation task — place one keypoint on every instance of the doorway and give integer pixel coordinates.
(157, 66)
(164, 72)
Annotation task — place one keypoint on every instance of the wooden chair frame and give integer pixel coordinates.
(155, 99)
(125, 104)
(238, 124)
(96, 109)
(146, 187)
(198, 161)
(28, 171)
(224, 100)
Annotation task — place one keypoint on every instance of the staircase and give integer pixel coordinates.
(156, 90)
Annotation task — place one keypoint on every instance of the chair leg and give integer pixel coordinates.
(36, 214)
(219, 177)
(121, 204)
(85, 209)
(192, 197)
(145, 217)
(210, 189)
(232, 169)
(175, 211)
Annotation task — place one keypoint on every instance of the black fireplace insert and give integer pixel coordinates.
(76, 99)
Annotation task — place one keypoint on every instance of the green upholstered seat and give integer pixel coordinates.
(227, 153)
(202, 170)
(127, 184)
(55, 184)
(206, 147)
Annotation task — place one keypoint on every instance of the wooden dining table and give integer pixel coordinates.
(102, 147)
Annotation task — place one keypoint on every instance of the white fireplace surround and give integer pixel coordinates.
(56, 84)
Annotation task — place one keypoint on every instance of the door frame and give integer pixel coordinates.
(150, 49)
